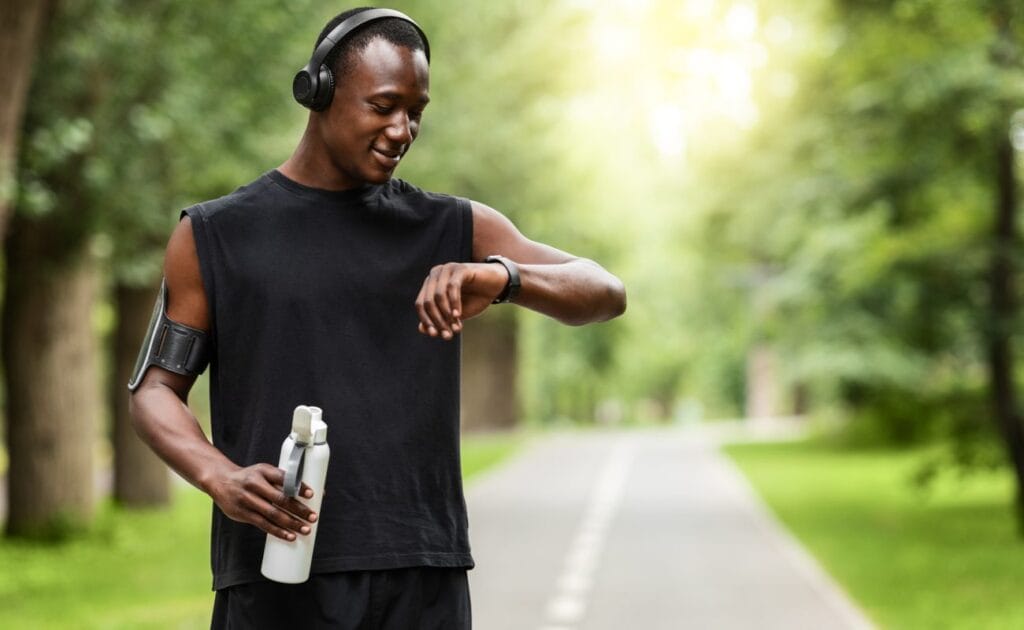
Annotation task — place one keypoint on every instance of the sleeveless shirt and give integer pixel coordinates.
(312, 301)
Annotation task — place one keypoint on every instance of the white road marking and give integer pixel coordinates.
(569, 603)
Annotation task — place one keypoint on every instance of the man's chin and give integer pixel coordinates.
(380, 177)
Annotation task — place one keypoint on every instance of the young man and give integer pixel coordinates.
(326, 282)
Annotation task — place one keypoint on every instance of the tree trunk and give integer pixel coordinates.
(140, 477)
(1002, 275)
(801, 399)
(1003, 315)
(52, 382)
(762, 386)
(490, 397)
(21, 23)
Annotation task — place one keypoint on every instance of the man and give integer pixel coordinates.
(326, 282)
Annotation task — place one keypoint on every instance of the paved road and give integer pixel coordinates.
(643, 530)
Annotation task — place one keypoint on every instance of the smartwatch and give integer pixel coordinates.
(511, 289)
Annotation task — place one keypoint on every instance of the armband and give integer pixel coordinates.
(168, 344)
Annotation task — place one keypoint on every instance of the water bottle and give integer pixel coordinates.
(304, 456)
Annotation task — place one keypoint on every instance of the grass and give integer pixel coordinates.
(483, 451)
(946, 557)
(141, 569)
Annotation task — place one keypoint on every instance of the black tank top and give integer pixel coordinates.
(312, 301)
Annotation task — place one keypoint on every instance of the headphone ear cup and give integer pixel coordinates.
(324, 89)
(303, 88)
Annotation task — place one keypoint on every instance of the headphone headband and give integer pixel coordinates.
(309, 86)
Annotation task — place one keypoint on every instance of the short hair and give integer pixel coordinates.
(395, 30)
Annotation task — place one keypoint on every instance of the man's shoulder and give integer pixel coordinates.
(241, 197)
(400, 189)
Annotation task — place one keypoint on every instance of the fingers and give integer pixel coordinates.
(436, 301)
(296, 507)
(271, 527)
(274, 494)
(455, 302)
(256, 495)
(439, 302)
(276, 477)
(279, 519)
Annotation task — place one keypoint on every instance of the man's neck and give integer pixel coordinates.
(310, 166)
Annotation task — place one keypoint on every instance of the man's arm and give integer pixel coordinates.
(572, 290)
(162, 418)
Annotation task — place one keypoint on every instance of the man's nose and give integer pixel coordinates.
(400, 130)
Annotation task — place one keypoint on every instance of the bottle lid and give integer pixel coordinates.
(302, 421)
(307, 426)
(318, 426)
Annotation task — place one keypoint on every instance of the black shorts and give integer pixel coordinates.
(419, 598)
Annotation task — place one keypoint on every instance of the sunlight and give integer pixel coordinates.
(696, 69)
(665, 123)
(778, 30)
(741, 21)
(613, 41)
(733, 82)
(699, 9)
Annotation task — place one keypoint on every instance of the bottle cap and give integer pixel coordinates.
(302, 420)
(317, 425)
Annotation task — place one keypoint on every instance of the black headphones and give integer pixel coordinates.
(313, 86)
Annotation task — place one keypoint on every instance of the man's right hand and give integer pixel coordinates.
(255, 495)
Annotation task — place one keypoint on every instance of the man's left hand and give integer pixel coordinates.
(457, 291)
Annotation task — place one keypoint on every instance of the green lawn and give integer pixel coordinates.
(140, 569)
(948, 557)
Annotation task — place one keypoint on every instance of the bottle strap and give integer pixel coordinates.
(293, 470)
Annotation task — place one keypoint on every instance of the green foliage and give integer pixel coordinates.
(945, 558)
(847, 228)
(153, 110)
(888, 416)
(863, 255)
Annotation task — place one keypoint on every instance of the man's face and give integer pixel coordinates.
(376, 111)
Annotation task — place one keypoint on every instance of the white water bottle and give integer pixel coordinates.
(304, 456)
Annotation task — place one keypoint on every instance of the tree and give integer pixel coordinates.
(1007, 55)
(21, 22)
(101, 177)
(885, 212)
(51, 378)
(140, 477)
(49, 349)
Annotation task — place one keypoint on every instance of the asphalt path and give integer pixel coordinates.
(642, 530)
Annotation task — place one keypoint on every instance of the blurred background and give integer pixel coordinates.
(813, 205)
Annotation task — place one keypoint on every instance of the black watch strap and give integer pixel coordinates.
(511, 289)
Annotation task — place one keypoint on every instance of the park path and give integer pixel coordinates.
(644, 530)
